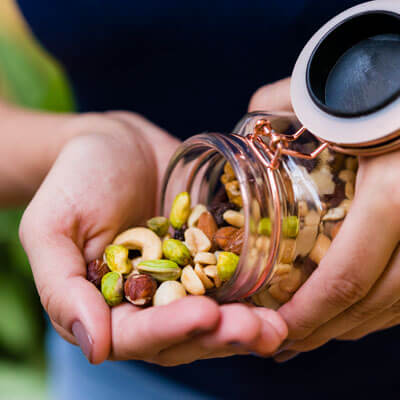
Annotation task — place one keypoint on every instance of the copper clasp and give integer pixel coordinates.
(278, 144)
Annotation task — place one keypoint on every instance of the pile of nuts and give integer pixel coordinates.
(197, 248)
(193, 251)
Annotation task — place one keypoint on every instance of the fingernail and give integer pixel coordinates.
(285, 346)
(83, 338)
(286, 356)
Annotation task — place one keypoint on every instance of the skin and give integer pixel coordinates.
(355, 290)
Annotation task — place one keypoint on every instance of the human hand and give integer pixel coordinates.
(356, 288)
(105, 180)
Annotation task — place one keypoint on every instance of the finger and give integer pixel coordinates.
(383, 295)
(385, 320)
(142, 334)
(355, 260)
(73, 303)
(241, 330)
(272, 97)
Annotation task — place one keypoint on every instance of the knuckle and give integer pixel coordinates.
(342, 291)
(363, 312)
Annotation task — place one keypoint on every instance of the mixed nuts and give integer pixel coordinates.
(198, 247)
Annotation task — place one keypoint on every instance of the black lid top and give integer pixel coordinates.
(355, 69)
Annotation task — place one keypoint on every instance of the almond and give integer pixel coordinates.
(207, 224)
(223, 236)
(235, 243)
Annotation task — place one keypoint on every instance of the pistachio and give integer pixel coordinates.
(212, 272)
(116, 257)
(176, 251)
(180, 210)
(197, 241)
(320, 248)
(142, 239)
(223, 236)
(168, 292)
(191, 282)
(159, 225)
(204, 257)
(264, 227)
(96, 269)
(161, 270)
(140, 289)
(290, 226)
(112, 288)
(194, 216)
(227, 263)
(207, 282)
(234, 218)
(208, 225)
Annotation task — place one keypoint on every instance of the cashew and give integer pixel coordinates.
(196, 241)
(334, 214)
(320, 248)
(287, 251)
(142, 239)
(205, 258)
(234, 218)
(195, 214)
(323, 179)
(168, 292)
(278, 294)
(306, 240)
(207, 282)
(191, 282)
(349, 190)
(292, 281)
(265, 299)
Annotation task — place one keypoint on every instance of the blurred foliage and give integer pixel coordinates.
(31, 78)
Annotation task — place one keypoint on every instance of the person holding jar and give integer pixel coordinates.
(188, 67)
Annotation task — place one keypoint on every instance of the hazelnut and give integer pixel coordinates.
(96, 269)
(223, 236)
(140, 289)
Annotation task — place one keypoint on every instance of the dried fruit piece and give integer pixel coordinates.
(179, 234)
(96, 269)
(217, 210)
(168, 292)
(207, 282)
(176, 251)
(191, 282)
(116, 257)
(226, 265)
(197, 241)
(161, 270)
(195, 214)
(140, 289)
(159, 225)
(223, 236)
(180, 210)
(112, 288)
(207, 224)
(142, 239)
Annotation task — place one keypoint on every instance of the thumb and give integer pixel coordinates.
(272, 97)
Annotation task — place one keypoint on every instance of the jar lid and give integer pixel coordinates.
(346, 82)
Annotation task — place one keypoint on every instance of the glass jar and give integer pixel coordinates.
(293, 205)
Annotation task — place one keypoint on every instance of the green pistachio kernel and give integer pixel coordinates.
(176, 251)
(112, 288)
(290, 226)
(226, 265)
(264, 227)
(161, 270)
(180, 210)
(158, 225)
(116, 257)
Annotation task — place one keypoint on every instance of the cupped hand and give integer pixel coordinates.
(356, 288)
(105, 180)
